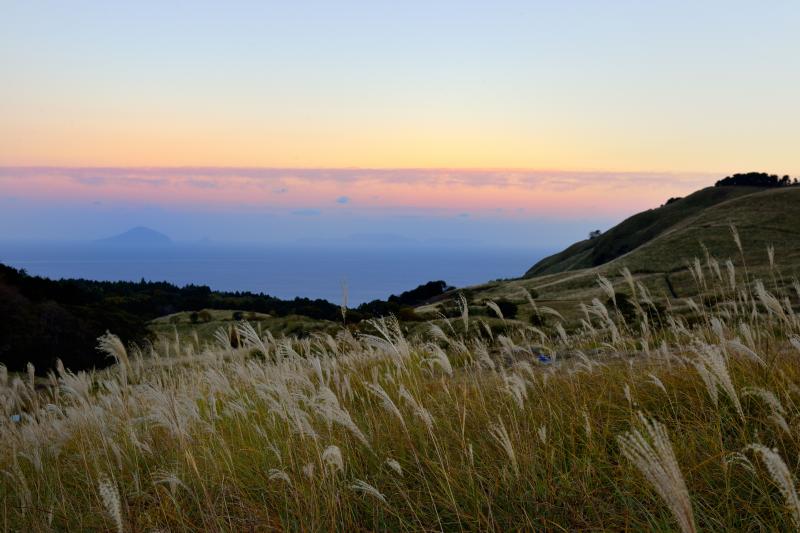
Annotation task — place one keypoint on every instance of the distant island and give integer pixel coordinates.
(138, 236)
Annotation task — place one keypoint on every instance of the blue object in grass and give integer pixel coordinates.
(544, 358)
(16, 418)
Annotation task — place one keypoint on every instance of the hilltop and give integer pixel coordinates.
(661, 240)
(657, 247)
(643, 227)
(636, 231)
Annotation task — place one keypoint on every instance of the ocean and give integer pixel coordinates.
(282, 270)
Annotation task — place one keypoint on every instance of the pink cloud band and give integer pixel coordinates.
(557, 193)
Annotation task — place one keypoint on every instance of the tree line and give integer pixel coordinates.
(42, 320)
(756, 179)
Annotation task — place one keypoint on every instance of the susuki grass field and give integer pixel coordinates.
(668, 421)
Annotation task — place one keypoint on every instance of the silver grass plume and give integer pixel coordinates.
(736, 239)
(607, 288)
(277, 474)
(713, 369)
(500, 434)
(111, 501)
(657, 382)
(795, 341)
(332, 457)
(439, 358)
(251, 338)
(419, 411)
(542, 433)
(464, 308)
(394, 465)
(112, 346)
(783, 478)
(772, 304)
(387, 402)
(651, 452)
(366, 488)
(496, 308)
(731, 274)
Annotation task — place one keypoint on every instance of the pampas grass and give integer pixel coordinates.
(782, 477)
(500, 434)
(332, 457)
(111, 501)
(651, 452)
(366, 488)
(644, 422)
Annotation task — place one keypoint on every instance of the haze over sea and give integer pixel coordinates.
(313, 270)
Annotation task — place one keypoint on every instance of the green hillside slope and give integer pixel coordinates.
(763, 218)
(635, 231)
(767, 218)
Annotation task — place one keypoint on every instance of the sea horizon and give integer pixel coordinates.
(310, 269)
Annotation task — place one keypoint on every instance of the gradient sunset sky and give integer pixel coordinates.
(324, 117)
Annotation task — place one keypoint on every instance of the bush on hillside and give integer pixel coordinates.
(421, 294)
(624, 305)
(507, 307)
(537, 320)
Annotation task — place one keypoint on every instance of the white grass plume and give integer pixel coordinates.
(542, 434)
(736, 239)
(608, 288)
(713, 369)
(657, 382)
(366, 488)
(767, 397)
(794, 340)
(463, 306)
(439, 358)
(332, 457)
(251, 338)
(395, 466)
(500, 434)
(112, 346)
(387, 402)
(279, 475)
(496, 308)
(739, 347)
(783, 478)
(651, 453)
(419, 411)
(731, 274)
(111, 501)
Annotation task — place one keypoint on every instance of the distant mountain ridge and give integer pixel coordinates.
(138, 236)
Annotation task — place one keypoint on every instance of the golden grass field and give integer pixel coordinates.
(680, 418)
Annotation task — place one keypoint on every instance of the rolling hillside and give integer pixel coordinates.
(690, 228)
(636, 231)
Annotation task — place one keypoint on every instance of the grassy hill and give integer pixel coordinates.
(764, 218)
(202, 331)
(636, 231)
(698, 226)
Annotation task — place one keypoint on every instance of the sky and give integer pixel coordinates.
(493, 121)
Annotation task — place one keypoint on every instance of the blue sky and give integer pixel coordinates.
(532, 118)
